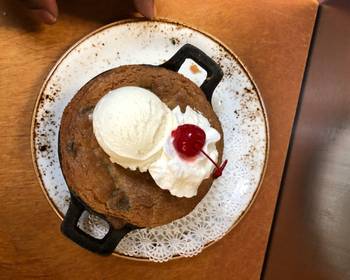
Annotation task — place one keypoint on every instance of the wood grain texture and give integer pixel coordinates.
(272, 39)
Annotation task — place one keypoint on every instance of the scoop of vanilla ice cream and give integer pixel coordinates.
(131, 124)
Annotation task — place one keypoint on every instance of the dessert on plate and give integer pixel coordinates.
(140, 146)
(117, 148)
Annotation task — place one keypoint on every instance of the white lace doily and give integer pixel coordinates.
(235, 101)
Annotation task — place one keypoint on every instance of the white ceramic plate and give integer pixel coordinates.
(236, 101)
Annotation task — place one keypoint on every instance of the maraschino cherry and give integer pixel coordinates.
(189, 140)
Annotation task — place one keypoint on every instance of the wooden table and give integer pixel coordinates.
(271, 38)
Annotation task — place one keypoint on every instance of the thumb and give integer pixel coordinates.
(145, 7)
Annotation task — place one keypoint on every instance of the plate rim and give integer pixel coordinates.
(159, 20)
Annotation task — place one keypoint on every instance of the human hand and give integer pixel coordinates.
(46, 11)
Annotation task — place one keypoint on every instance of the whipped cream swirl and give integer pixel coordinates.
(183, 177)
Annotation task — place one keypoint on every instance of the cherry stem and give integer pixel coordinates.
(219, 169)
(208, 157)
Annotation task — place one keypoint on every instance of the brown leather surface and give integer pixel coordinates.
(313, 216)
(271, 38)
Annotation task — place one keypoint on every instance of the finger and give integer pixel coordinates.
(43, 10)
(41, 15)
(145, 7)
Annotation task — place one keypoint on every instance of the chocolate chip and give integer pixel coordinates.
(71, 148)
(123, 203)
(119, 200)
(86, 110)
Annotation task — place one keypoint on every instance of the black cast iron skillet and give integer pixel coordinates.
(108, 243)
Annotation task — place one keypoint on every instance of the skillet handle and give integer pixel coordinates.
(214, 72)
(104, 246)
